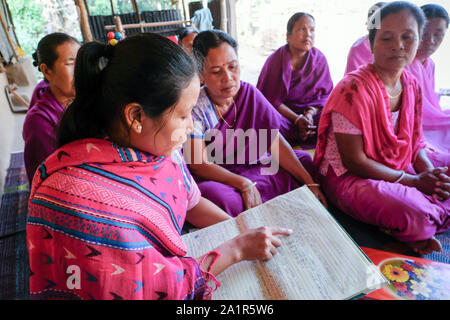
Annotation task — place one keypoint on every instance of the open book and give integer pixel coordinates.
(317, 261)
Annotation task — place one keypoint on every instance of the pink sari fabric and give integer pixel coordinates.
(359, 54)
(362, 98)
(435, 121)
(407, 213)
(104, 222)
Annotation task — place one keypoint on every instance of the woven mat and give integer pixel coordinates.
(370, 236)
(14, 204)
(14, 270)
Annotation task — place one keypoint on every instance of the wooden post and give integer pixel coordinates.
(187, 16)
(119, 27)
(136, 11)
(223, 16)
(13, 47)
(112, 8)
(84, 21)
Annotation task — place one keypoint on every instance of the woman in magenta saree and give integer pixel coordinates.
(107, 208)
(370, 150)
(296, 80)
(435, 120)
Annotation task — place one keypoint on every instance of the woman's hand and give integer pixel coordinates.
(306, 127)
(259, 244)
(253, 244)
(442, 190)
(434, 182)
(319, 195)
(250, 195)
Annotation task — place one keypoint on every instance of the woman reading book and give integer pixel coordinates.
(107, 208)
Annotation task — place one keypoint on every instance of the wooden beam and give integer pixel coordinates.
(146, 25)
(84, 21)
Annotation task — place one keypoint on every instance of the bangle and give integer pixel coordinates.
(208, 276)
(298, 118)
(400, 177)
(250, 186)
(313, 185)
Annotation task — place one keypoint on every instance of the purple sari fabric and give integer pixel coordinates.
(37, 92)
(256, 117)
(435, 121)
(309, 86)
(297, 89)
(39, 128)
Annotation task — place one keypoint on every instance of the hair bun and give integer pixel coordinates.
(35, 59)
(108, 51)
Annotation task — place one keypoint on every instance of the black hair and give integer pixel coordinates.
(435, 11)
(184, 32)
(146, 68)
(395, 7)
(210, 39)
(46, 48)
(295, 17)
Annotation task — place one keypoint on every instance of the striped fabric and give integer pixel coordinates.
(104, 222)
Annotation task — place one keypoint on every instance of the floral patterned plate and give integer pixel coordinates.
(413, 280)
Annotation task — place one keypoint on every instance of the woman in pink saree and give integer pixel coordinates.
(370, 150)
(360, 53)
(107, 208)
(435, 120)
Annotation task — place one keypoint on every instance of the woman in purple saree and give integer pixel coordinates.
(296, 80)
(236, 128)
(55, 58)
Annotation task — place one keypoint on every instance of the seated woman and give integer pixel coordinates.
(186, 38)
(55, 58)
(435, 121)
(370, 147)
(360, 53)
(106, 209)
(236, 126)
(296, 80)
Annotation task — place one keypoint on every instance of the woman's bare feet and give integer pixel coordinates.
(426, 246)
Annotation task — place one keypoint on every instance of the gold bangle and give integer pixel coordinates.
(313, 185)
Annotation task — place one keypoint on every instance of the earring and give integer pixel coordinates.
(139, 128)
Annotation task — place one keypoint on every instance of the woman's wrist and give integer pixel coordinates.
(243, 184)
(408, 180)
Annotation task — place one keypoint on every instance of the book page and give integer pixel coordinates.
(317, 261)
(240, 281)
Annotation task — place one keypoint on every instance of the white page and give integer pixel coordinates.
(318, 261)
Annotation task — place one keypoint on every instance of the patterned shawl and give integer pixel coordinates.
(104, 222)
